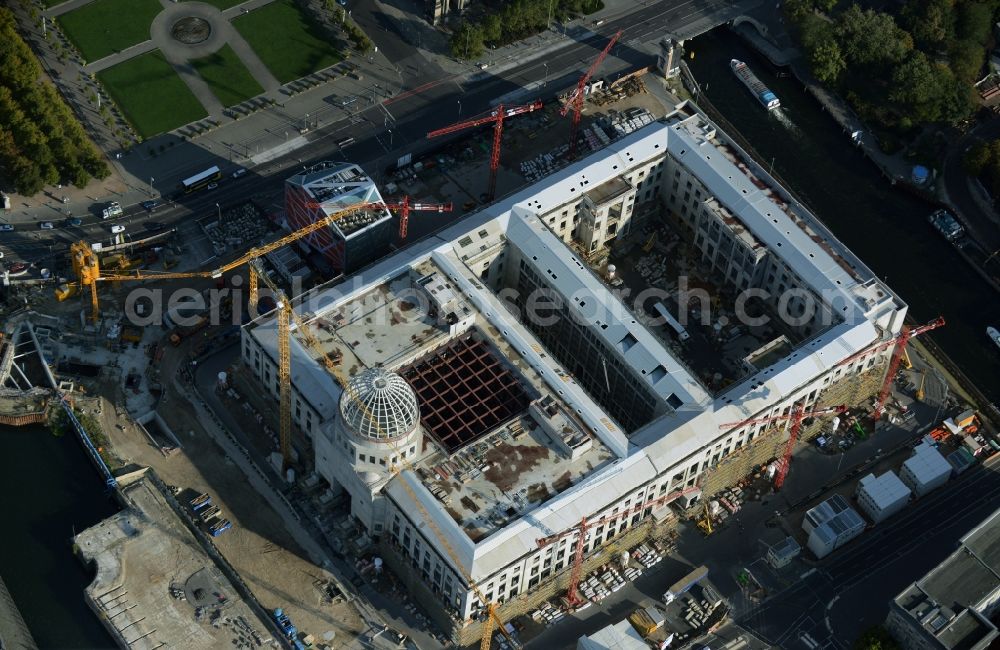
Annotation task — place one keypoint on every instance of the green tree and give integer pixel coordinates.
(931, 22)
(876, 638)
(975, 20)
(492, 28)
(966, 59)
(467, 41)
(976, 159)
(827, 61)
(870, 38)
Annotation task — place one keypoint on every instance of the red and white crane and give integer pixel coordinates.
(899, 342)
(495, 117)
(796, 416)
(575, 99)
(404, 207)
(572, 591)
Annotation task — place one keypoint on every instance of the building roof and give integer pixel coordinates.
(361, 321)
(335, 186)
(949, 602)
(927, 464)
(617, 636)
(884, 490)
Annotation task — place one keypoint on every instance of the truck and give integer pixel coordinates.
(113, 209)
(200, 501)
(946, 224)
(219, 527)
(182, 332)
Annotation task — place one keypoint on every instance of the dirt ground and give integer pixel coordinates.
(276, 569)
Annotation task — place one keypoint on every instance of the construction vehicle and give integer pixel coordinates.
(705, 523)
(575, 100)
(648, 246)
(182, 332)
(573, 598)
(796, 416)
(496, 117)
(919, 394)
(66, 291)
(642, 622)
(898, 345)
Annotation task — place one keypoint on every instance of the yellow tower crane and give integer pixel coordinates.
(286, 315)
(87, 268)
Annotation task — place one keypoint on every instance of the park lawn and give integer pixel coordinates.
(228, 78)
(103, 27)
(152, 96)
(289, 43)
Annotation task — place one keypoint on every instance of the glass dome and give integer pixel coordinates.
(379, 405)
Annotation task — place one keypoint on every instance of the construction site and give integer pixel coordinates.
(424, 421)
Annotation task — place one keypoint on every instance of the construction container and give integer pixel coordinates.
(883, 496)
(926, 469)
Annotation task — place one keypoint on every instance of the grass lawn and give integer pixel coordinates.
(152, 96)
(103, 27)
(227, 77)
(289, 43)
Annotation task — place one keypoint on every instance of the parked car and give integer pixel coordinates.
(46, 225)
(17, 268)
(211, 186)
(117, 228)
(6, 227)
(74, 221)
(239, 172)
(150, 206)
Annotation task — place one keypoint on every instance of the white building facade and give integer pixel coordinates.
(663, 429)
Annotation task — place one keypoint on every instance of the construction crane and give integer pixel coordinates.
(796, 416)
(287, 315)
(404, 207)
(496, 117)
(87, 268)
(572, 591)
(575, 100)
(898, 343)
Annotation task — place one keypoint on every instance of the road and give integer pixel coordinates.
(831, 606)
(960, 190)
(382, 131)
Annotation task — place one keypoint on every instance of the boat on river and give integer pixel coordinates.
(763, 94)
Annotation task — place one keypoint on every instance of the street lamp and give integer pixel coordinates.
(460, 108)
(546, 80)
(390, 138)
(151, 179)
(219, 210)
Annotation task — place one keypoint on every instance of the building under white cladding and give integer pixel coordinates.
(510, 430)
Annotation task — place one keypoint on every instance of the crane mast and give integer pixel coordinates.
(496, 118)
(575, 100)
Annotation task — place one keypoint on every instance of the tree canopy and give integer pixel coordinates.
(41, 141)
(899, 74)
(876, 638)
(516, 20)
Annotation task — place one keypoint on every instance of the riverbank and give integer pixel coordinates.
(895, 168)
(963, 386)
(14, 632)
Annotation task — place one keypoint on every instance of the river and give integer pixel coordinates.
(52, 490)
(886, 227)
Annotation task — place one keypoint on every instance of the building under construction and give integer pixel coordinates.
(502, 389)
(329, 187)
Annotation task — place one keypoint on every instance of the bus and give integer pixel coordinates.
(198, 181)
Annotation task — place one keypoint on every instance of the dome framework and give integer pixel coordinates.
(379, 405)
